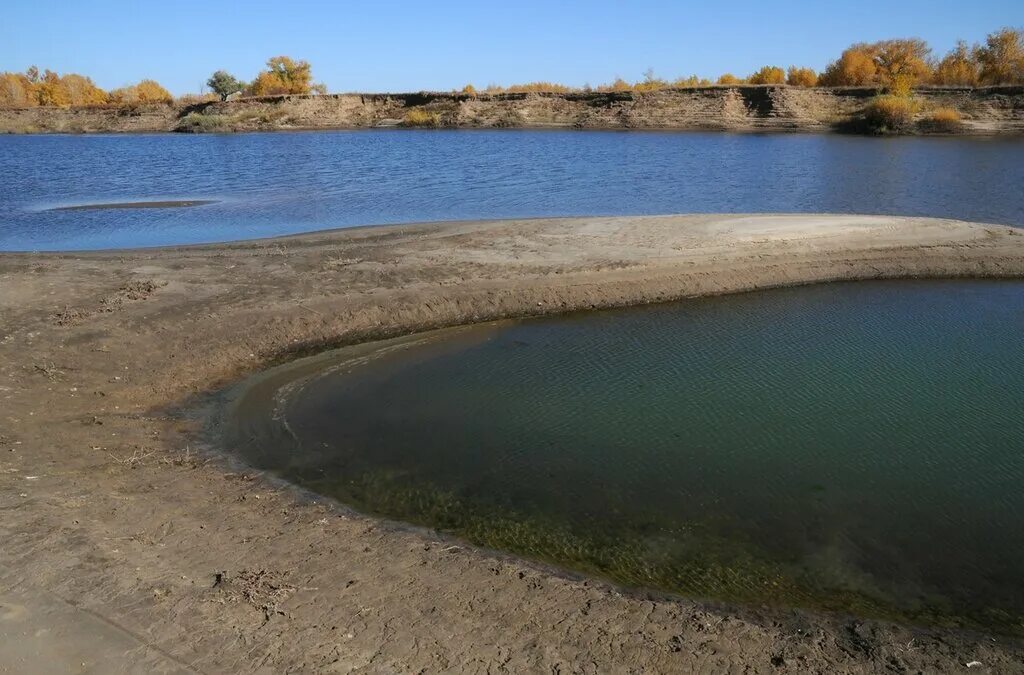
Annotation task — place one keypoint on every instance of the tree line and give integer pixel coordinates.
(909, 62)
(900, 63)
(32, 88)
(283, 75)
(897, 65)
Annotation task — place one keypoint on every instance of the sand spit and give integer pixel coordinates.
(126, 548)
(166, 204)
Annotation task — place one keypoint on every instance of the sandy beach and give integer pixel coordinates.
(128, 546)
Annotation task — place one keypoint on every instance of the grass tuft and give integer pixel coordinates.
(417, 117)
(890, 113)
(198, 123)
(943, 120)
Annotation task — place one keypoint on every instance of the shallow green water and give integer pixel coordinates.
(855, 447)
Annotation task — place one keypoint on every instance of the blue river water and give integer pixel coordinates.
(283, 183)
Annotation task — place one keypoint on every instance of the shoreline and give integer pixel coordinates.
(979, 133)
(199, 565)
(984, 111)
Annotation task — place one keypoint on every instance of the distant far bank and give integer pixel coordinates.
(993, 110)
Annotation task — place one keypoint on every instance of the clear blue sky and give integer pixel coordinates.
(439, 44)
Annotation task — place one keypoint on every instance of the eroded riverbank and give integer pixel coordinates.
(109, 508)
(984, 111)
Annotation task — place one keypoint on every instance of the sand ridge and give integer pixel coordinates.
(192, 563)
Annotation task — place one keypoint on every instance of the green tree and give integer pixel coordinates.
(224, 84)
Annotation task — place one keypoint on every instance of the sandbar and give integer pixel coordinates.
(133, 545)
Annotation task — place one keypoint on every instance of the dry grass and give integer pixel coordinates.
(263, 589)
(198, 123)
(265, 117)
(138, 456)
(891, 113)
(417, 117)
(539, 87)
(193, 99)
(186, 458)
(946, 120)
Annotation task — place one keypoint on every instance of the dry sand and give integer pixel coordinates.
(125, 549)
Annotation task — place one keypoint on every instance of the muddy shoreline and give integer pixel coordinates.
(139, 552)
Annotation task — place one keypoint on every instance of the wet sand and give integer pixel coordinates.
(125, 543)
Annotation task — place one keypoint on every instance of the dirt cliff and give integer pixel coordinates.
(989, 110)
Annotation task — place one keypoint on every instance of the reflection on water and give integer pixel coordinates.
(855, 447)
(280, 183)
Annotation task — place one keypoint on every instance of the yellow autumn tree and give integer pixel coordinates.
(538, 87)
(16, 91)
(146, 91)
(49, 89)
(651, 82)
(50, 92)
(82, 91)
(801, 77)
(691, 81)
(285, 75)
(902, 61)
(729, 78)
(768, 75)
(618, 84)
(150, 91)
(958, 67)
(854, 67)
(267, 84)
(1002, 57)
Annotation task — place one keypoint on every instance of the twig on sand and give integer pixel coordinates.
(263, 589)
(184, 458)
(132, 460)
(48, 369)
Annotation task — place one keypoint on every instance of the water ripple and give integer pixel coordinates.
(272, 184)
